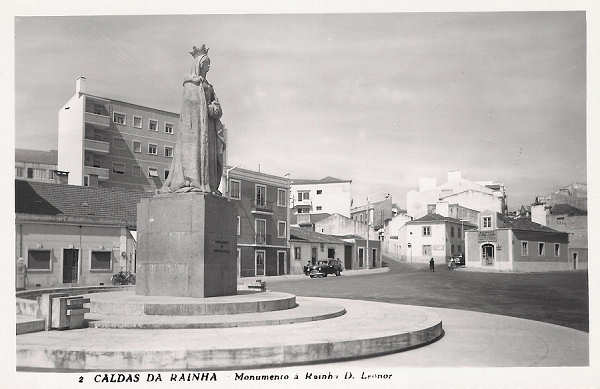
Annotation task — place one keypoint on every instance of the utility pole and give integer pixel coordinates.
(368, 230)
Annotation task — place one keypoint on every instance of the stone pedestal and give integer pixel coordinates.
(187, 246)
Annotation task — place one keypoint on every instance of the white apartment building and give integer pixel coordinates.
(474, 195)
(327, 195)
(104, 142)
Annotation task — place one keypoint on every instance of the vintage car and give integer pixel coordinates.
(323, 268)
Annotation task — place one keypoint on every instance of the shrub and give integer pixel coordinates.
(123, 278)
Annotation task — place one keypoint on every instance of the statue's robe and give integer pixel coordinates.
(198, 161)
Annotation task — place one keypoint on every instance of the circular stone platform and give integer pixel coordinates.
(303, 312)
(129, 303)
(367, 329)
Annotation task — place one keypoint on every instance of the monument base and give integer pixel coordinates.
(186, 246)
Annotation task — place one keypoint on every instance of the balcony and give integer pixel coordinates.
(97, 120)
(262, 207)
(302, 203)
(102, 173)
(260, 238)
(303, 219)
(96, 146)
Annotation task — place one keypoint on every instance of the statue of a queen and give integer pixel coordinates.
(198, 161)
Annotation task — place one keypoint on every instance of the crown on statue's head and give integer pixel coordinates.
(203, 50)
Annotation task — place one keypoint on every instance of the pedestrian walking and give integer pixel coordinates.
(432, 264)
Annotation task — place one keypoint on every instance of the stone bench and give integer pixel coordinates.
(68, 312)
(260, 284)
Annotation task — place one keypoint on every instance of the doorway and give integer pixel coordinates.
(348, 257)
(575, 261)
(361, 257)
(487, 254)
(313, 255)
(70, 266)
(259, 262)
(281, 262)
(330, 253)
(374, 257)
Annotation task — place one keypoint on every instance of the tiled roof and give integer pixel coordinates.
(566, 209)
(307, 235)
(325, 180)
(434, 217)
(42, 198)
(522, 223)
(36, 156)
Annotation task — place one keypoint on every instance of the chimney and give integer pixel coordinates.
(80, 86)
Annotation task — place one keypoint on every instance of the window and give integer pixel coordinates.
(427, 250)
(166, 174)
(239, 226)
(281, 229)
(297, 253)
(152, 172)
(452, 232)
(153, 125)
(319, 191)
(524, 248)
(234, 189)
(303, 195)
(19, 171)
(100, 260)
(118, 167)
(29, 172)
(260, 226)
(38, 260)
(136, 171)
(168, 151)
(281, 197)
(119, 118)
(560, 220)
(137, 121)
(137, 146)
(119, 143)
(458, 231)
(261, 195)
(169, 128)
(557, 249)
(427, 231)
(541, 248)
(452, 249)
(86, 180)
(319, 208)
(322, 246)
(487, 222)
(459, 250)
(152, 149)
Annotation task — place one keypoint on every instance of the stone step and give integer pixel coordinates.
(305, 311)
(27, 324)
(129, 303)
(367, 329)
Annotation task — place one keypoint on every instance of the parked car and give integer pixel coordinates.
(323, 268)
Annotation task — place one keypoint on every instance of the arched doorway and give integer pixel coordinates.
(487, 254)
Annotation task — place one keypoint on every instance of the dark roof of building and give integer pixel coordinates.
(522, 223)
(37, 156)
(434, 217)
(566, 209)
(40, 198)
(297, 233)
(325, 180)
(314, 217)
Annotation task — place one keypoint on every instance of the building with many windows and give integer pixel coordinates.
(327, 195)
(516, 244)
(104, 142)
(261, 204)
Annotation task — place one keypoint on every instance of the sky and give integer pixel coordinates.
(381, 99)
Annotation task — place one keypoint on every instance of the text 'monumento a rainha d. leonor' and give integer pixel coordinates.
(187, 233)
